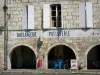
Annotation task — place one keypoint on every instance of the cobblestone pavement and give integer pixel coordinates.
(48, 72)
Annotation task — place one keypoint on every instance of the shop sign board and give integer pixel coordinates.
(74, 64)
(71, 33)
(25, 34)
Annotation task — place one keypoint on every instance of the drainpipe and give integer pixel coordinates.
(5, 35)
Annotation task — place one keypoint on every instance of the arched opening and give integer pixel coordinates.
(60, 52)
(93, 58)
(22, 57)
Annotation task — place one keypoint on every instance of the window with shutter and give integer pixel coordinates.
(52, 16)
(28, 17)
(85, 15)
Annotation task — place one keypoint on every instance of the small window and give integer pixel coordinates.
(56, 15)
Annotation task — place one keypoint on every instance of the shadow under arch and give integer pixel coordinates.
(24, 54)
(65, 50)
(49, 49)
(92, 56)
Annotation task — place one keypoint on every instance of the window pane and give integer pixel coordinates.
(54, 18)
(55, 24)
(59, 24)
(53, 7)
(59, 13)
(59, 6)
(59, 19)
(53, 13)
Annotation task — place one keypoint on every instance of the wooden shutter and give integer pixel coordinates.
(46, 16)
(82, 15)
(30, 17)
(85, 15)
(89, 16)
(24, 17)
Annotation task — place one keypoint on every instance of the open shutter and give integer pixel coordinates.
(24, 18)
(46, 16)
(85, 15)
(30, 17)
(89, 15)
(82, 15)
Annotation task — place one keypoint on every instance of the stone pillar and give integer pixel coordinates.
(9, 62)
(45, 66)
(82, 63)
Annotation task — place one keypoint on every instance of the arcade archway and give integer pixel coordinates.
(22, 57)
(93, 58)
(61, 52)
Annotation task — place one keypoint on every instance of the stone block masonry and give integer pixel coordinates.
(70, 19)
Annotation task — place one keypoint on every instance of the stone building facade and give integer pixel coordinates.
(52, 29)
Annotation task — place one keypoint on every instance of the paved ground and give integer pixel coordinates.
(49, 72)
(46, 74)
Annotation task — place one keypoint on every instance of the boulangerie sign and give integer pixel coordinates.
(25, 34)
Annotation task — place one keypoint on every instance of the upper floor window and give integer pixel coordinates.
(56, 15)
(52, 16)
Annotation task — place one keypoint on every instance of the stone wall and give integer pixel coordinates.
(70, 12)
(70, 17)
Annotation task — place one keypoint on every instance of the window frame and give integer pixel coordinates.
(56, 11)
